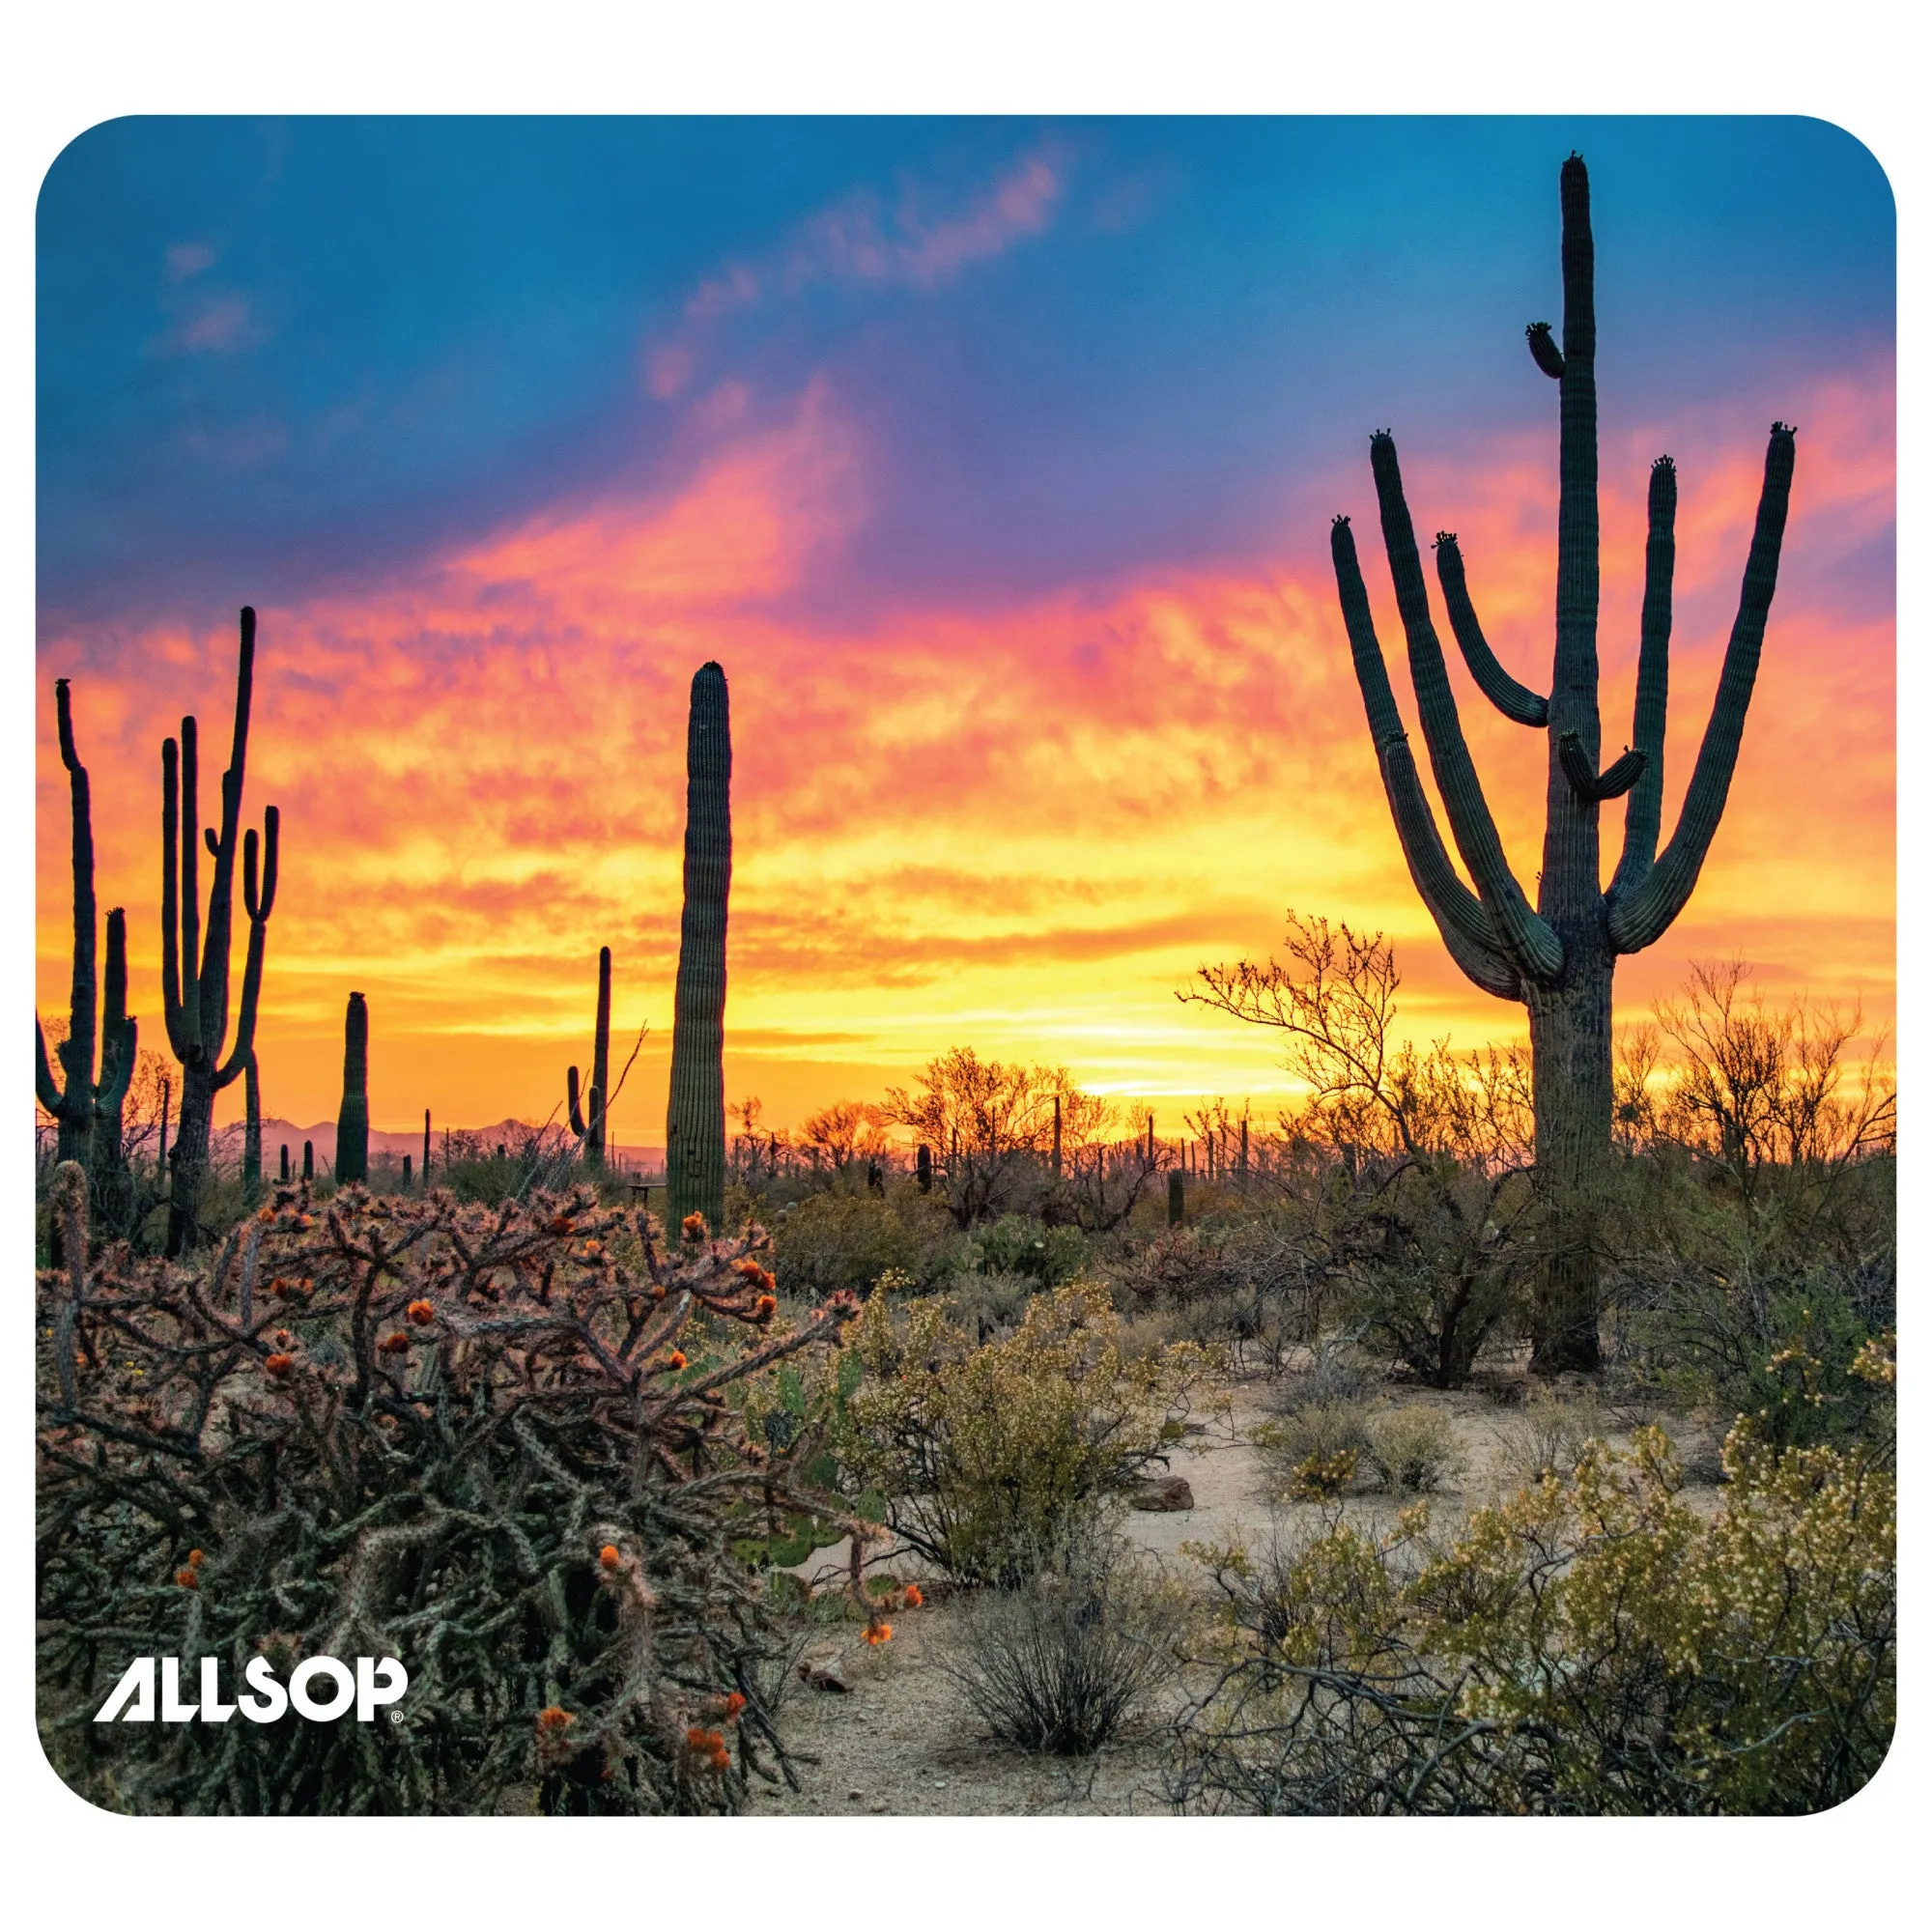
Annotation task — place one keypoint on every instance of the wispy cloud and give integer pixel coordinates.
(916, 241)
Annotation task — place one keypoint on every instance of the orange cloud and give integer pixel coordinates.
(1022, 826)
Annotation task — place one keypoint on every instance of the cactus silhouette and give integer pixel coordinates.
(251, 1133)
(352, 1118)
(86, 1110)
(694, 1124)
(588, 1122)
(1560, 957)
(194, 957)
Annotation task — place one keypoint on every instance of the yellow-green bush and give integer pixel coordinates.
(1591, 1645)
(983, 1453)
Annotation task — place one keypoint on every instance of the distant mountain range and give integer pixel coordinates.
(278, 1133)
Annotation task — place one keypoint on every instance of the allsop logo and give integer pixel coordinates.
(321, 1687)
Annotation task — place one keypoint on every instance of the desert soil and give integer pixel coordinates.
(902, 1740)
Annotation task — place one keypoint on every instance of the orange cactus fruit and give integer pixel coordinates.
(746, 1266)
(767, 1305)
(194, 1557)
(554, 1717)
(187, 1579)
(675, 1359)
(914, 1597)
(692, 1226)
(877, 1633)
(395, 1345)
(734, 1703)
(422, 1313)
(279, 1366)
(608, 1556)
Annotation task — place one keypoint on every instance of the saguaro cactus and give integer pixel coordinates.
(694, 1124)
(86, 1111)
(194, 960)
(251, 1133)
(352, 1118)
(588, 1122)
(1559, 958)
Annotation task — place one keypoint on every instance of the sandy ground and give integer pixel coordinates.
(902, 1740)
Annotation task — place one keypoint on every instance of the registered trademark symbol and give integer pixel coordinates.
(395, 1716)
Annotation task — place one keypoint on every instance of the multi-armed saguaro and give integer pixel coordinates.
(1559, 958)
(194, 962)
(86, 1111)
(695, 1126)
(586, 1122)
(352, 1118)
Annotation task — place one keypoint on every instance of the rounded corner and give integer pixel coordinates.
(1866, 148)
(67, 149)
(69, 1791)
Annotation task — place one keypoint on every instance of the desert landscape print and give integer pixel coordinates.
(935, 966)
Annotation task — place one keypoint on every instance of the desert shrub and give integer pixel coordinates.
(1548, 1433)
(984, 1453)
(505, 1446)
(1061, 1660)
(1254, 1285)
(1315, 1448)
(1412, 1449)
(989, 1305)
(1783, 1353)
(1018, 1244)
(844, 1238)
(1591, 1645)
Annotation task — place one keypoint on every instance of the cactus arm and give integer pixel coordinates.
(76, 1051)
(45, 1090)
(1641, 918)
(191, 887)
(211, 985)
(171, 1000)
(1466, 928)
(1543, 350)
(1529, 942)
(1645, 811)
(1515, 701)
(119, 1041)
(576, 1125)
(259, 903)
(1591, 785)
(117, 1068)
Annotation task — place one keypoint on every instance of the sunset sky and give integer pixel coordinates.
(994, 461)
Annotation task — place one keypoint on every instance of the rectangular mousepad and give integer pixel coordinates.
(965, 966)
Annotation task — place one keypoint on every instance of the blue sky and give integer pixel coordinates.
(279, 354)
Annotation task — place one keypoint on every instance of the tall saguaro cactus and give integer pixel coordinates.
(695, 1126)
(352, 1118)
(1560, 957)
(194, 960)
(86, 1110)
(586, 1123)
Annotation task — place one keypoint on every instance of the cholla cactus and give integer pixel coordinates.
(505, 1446)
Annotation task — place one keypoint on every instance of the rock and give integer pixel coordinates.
(1163, 1493)
(824, 1673)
